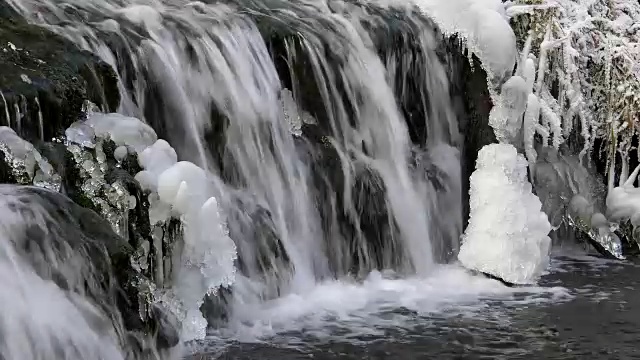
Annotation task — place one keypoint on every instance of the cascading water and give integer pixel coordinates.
(58, 300)
(179, 63)
(332, 153)
(288, 173)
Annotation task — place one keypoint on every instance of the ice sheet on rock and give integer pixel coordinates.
(482, 23)
(19, 150)
(291, 112)
(82, 134)
(595, 225)
(507, 235)
(123, 130)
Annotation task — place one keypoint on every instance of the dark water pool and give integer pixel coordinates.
(597, 317)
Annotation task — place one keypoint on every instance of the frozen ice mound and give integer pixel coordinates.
(482, 23)
(507, 235)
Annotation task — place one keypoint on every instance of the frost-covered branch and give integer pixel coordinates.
(587, 55)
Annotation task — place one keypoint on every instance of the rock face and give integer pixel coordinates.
(45, 79)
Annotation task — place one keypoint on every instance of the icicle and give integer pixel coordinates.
(526, 50)
(542, 64)
(611, 174)
(40, 120)
(552, 122)
(158, 235)
(632, 178)
(624, 173)
(16, 109)
(6, 109)
(529, 74)
(531, 116)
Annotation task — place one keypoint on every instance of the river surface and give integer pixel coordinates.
(584, 308)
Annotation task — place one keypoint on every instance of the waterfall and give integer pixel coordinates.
(332, 153)
(57, 296)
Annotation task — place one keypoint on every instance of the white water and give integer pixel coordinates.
(358, 313)
(200, 57)
(38, 319)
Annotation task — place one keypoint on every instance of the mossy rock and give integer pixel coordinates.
(42, 72)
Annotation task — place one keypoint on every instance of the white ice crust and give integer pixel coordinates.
(507, 232)
(179, 189)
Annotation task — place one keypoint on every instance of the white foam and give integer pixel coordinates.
(370, 307)
(507, 232)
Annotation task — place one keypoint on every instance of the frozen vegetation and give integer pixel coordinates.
(577, 73)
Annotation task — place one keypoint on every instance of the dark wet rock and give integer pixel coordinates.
(215, 308)
(493, 277)
(6, 174)
(43, 73)
(166, 327)
(472, 94)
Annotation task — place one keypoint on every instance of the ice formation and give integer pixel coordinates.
(623, 201)
(177, 189)
(482, 24)
(583, 216)
(27, 165)
(507, 234)
(85, 143)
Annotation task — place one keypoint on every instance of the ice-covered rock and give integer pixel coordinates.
(82, 134)
(507, 235)
(482, 23)
(122, 130)
(27, 164)
(179, 190)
